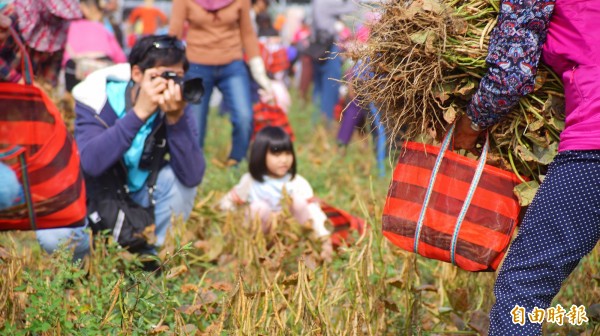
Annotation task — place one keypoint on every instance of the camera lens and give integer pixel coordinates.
(192, 90)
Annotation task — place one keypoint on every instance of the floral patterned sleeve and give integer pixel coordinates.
(513, 56)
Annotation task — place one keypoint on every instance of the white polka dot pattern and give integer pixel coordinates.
(561, 226)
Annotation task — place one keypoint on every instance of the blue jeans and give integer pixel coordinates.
(233, 81)
(172, 198)
(326, 76)
(11, 192)
(561, 226)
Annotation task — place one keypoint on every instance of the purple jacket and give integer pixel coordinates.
(100, 147)
(569, 34)
(572, 50)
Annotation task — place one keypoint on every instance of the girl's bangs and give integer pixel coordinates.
(280, 145)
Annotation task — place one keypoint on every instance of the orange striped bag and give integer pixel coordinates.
(275, 61)
(451, 208)
(35, 143)
(343, 223)
(266, 114)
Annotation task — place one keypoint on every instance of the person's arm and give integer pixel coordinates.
(513, 57)
(238, 195)
(249, 39)
(101, 147)
(251, 48)
(187, 159)
(303, 190)
(178, 17)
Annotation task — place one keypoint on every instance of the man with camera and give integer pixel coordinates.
(129, 119)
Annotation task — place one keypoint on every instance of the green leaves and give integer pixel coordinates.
(526, 191)
(539, 154)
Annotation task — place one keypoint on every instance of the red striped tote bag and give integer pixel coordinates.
(343, 223)
(448, 207)
(35, 143)
(266, 114)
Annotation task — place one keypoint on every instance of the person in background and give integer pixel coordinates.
(109, 18)
(116, 110)
(328, 72)
(272, 170)
(220, 33)
(145, 20)
(301, 41)
(258, 7)
(35, 22)
(562, 224)
(103, 49)
(275, 58)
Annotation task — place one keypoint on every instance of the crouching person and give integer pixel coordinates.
(118, 109)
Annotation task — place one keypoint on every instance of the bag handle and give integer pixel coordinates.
(466, 204)
(19, 153)
(469, 198)
(26, 67)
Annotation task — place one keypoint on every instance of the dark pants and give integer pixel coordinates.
(560, 227)
(306, 77)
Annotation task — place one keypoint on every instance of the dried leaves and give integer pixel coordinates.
(422, 64)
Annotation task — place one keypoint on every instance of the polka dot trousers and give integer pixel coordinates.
(560, 227)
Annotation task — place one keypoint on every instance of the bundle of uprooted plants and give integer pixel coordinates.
(423, 62)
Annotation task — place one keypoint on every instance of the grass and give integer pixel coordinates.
(224, 278)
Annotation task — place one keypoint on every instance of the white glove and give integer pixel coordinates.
(318, 218)
(259, 73)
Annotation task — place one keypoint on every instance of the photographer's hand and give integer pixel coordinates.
(150, 92)
(172, 103)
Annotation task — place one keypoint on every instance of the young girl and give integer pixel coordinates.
(272, 168)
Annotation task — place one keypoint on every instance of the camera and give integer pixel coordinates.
(191, 89)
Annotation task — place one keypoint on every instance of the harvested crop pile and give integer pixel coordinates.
(423, 62)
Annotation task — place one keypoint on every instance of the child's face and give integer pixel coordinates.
(279, 164)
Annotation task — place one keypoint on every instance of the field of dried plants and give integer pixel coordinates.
(222, 277)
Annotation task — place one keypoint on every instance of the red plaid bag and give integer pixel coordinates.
(275, 61)
(37, 147)
(270, 115)
(343, 223)
(448, 207)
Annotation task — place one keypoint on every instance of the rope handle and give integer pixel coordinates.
(26, 66)
(19, 152)
(11, 152)
(466, 204)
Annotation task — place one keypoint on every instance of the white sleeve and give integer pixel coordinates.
(318, 219)
(238, 195)
(303, 190)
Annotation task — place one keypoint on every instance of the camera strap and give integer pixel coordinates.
(159, 138)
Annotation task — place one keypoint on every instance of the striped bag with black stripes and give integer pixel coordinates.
(451, 208)
(35, 144)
